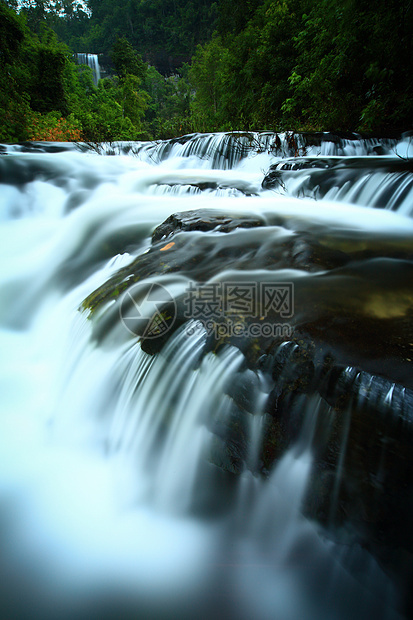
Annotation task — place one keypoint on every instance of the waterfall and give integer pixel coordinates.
(205, 376)
(92, 61)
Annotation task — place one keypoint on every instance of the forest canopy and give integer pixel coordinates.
(179, 66)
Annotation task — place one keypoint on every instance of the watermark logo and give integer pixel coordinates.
(226, 309)
(238, 329)
(249, 299)
(148, 310)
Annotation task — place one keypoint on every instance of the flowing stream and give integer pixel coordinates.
(116, 497)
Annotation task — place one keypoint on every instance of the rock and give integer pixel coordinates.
(314, 177)
(203, 220)
(244, 390)
(356, 306)
(229, 445)
(339, 362)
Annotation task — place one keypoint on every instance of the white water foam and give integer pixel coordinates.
(103, 448)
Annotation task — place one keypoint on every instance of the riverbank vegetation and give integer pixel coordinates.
(179, 66)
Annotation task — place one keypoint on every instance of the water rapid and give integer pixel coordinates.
(156, 464)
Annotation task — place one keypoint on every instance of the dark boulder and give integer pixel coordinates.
(338, 365)
(204, 221)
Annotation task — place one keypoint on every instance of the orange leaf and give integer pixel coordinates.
(167, 246)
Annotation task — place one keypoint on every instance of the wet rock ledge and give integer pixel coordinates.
(343, 351)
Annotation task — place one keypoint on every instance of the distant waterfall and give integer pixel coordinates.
(92, 61)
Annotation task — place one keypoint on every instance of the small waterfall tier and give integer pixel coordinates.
(92, 61)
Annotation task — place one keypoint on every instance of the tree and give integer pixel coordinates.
(49, 60)
(133, 100)
(14, 100)
(168, 111)
(351, 69)
(126, 60)
(207, 75)
(11, 35)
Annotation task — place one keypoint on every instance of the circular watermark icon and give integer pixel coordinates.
(148, 310)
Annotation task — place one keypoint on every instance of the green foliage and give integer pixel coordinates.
(167, 114)
(35, 13)
(14, 100)
(52, 127)
(103, 120)
(246, 74)
(47, 92)
(11, 35)
(125, 89)
(271, 64)
(306, 64)
(234, 17)
(352, 70)
(44, 95)
(164, 32)
(134, 101)
(209, 75)
(126, 60)
(113, 111)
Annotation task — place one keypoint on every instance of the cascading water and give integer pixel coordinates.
(92, 61)
(172, 468)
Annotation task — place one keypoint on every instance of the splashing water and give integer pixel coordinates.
(111, 500)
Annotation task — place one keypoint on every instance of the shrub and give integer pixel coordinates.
(52, 127)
